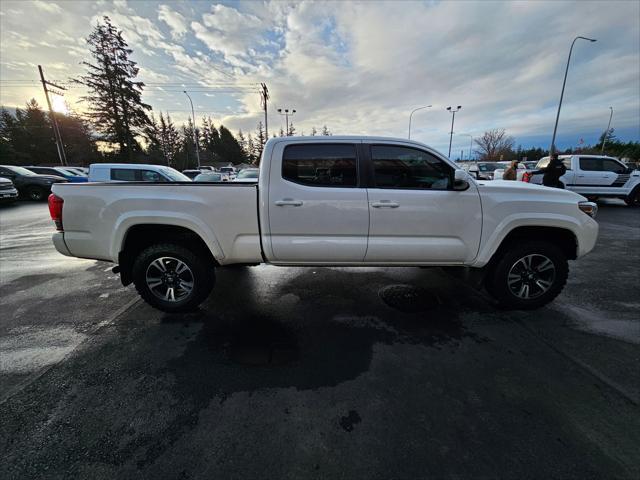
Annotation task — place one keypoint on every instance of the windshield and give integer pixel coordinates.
(21, 171)
(488, 167)
(208, 177)
(248, 174)
(175, 175)
(226, 169)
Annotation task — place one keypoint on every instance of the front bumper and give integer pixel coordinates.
(8, 195)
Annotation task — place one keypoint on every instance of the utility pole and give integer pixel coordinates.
(195, 135)
(286, 116)
(453, 118)
(606, 132)
(54, 123)
(264, 96)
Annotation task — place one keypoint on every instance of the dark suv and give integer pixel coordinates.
(29, 184)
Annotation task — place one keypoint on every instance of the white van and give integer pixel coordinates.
(134, 172)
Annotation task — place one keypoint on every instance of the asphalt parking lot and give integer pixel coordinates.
(316, 372)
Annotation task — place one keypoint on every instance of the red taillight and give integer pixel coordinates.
(55, 210)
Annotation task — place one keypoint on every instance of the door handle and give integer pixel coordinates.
(385, 204)
(288, 202)
(580, 176)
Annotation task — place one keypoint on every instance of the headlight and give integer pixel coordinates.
(589, 208)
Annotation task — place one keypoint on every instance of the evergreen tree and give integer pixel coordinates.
(79, 142)
(242, 141)
(33, 137)
(229, 149)
(325, 131)
(7, 127)
(258, 146)
(210, 139)
(115, 97)
(292, 130)
(314, 132)
(251, 147)
(281, 132)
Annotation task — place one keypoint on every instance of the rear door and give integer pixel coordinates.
(415, 215)
(318, 211)
(599, 175)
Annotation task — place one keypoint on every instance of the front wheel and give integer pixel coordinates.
(172, 278)
(633, 200)
(36, 193)
(529, 275)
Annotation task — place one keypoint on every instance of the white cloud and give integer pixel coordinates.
(174, 20)
(47, 6)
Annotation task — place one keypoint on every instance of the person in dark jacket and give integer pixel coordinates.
(552, 172)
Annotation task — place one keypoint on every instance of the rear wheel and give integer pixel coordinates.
(172, 278)
(529, 275)
(36, 193)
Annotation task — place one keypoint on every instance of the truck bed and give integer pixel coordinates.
(96, 216)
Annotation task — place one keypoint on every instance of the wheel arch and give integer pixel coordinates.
(140, 236)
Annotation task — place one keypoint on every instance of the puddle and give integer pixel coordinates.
(408, 299)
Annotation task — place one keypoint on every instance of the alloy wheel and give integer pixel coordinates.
(169, 279)
(531, 276)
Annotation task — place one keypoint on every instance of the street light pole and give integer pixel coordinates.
(195, 136)
(286, 116)
(606, 132)
(453, 118)
(411, 115)
(552, 149)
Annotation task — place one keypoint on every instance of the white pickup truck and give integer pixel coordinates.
(359, 201)
(595, 176)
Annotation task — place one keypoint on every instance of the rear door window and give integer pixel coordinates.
(321, 165)
(409, 168)
(124, 174)
(590, 164)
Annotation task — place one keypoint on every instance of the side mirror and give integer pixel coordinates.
(460, 180)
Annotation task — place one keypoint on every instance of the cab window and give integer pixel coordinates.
(325, 165)
(409, 168)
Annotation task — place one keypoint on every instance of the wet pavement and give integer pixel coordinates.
(316, 372)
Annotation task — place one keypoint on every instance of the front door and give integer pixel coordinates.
(415, 216)
(317, 210)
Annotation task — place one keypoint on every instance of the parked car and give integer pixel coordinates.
(354, 200)
(596, 176)
(523, 167)
(30, 185)
(132, 172)
(230, 171)
(211, 177)
(60, 172)
(207, 168)
(8, 191)
(79, 170)
(247, 175)
(192, 173)
(483, 170)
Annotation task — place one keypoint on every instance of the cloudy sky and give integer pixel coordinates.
(358, 67)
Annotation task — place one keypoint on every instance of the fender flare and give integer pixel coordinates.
(130, 219)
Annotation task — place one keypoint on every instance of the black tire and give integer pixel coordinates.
(36, 194)
(200, 273)
(633, 200)
(510, 265)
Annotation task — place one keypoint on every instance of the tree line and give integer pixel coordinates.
(495, 145)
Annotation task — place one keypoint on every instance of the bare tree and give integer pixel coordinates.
(493, 144)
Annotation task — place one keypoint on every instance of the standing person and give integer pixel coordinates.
(552, 172)
(511, 173)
